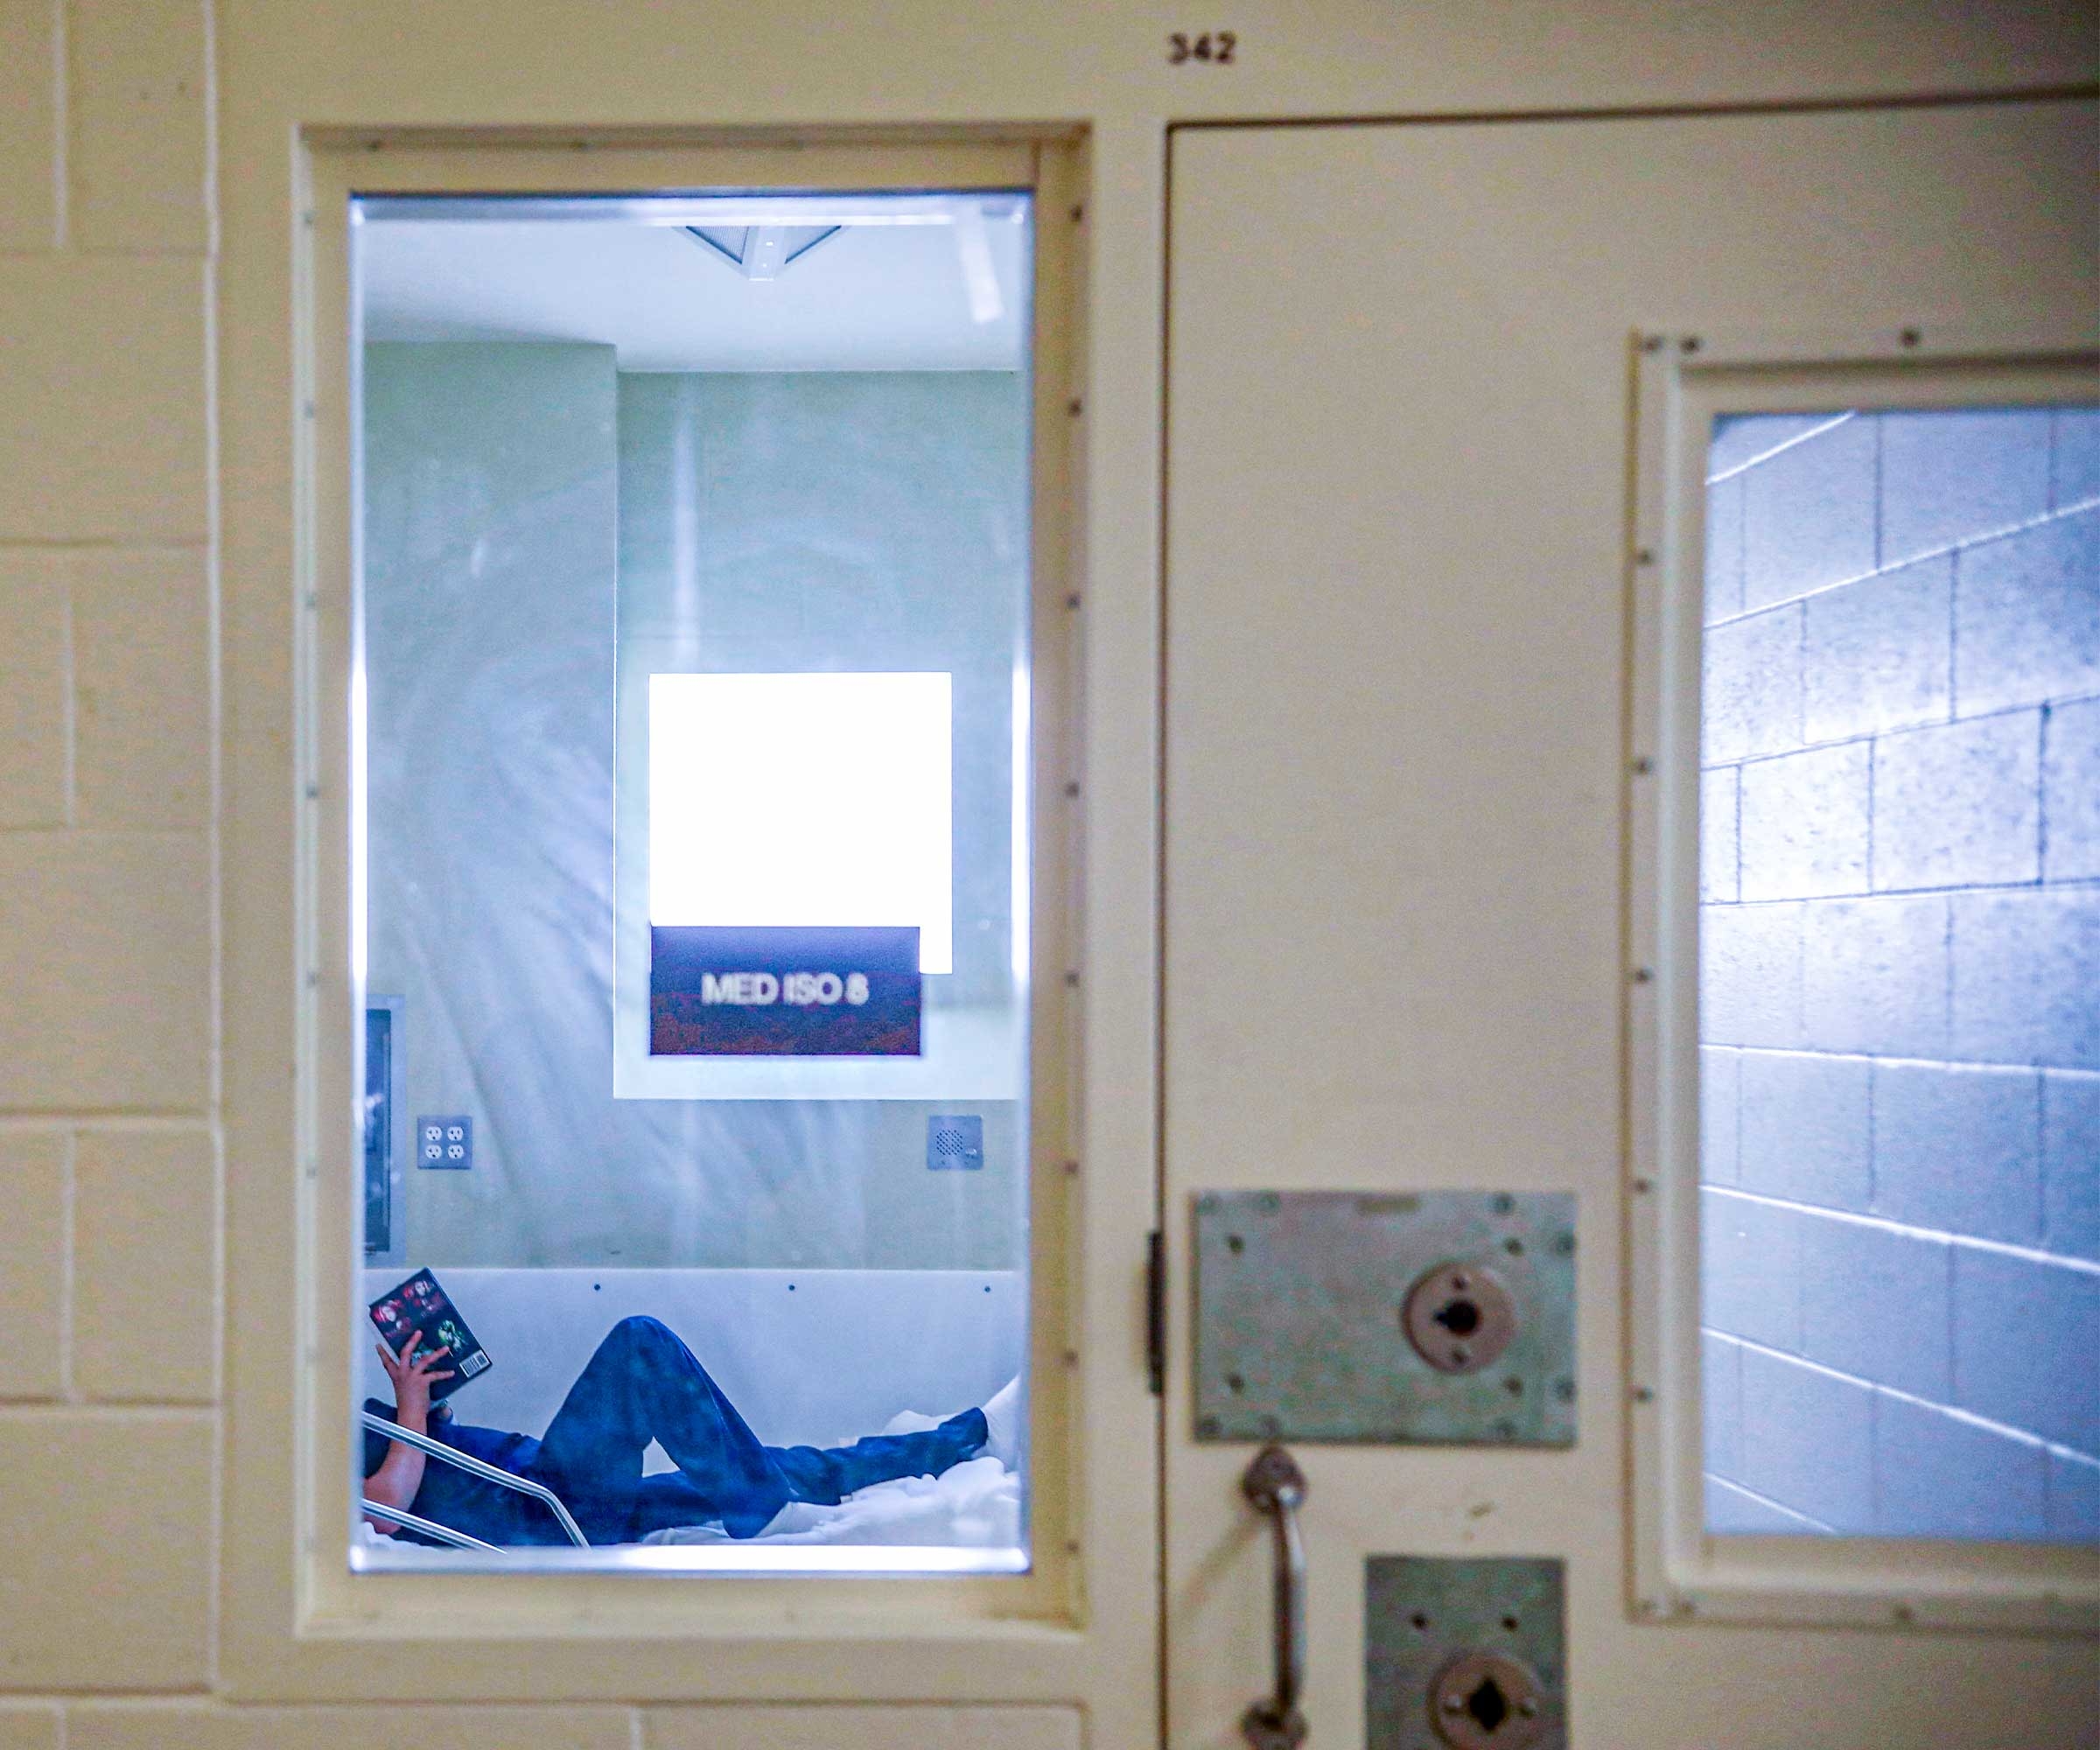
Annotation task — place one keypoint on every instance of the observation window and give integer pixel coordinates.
(693, 848)
(1900, 974)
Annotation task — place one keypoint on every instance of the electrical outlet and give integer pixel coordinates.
(445, 1143)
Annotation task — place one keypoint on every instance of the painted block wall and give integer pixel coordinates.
(1900, 1000)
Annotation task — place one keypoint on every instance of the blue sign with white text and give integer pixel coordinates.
(783, 992)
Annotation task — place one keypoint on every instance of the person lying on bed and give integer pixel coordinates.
(642, 1384)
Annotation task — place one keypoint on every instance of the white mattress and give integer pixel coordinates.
(975, 1505)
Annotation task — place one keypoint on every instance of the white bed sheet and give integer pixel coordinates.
(975, 1504)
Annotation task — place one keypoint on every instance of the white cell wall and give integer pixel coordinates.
(1901, 1019)
(829, 520)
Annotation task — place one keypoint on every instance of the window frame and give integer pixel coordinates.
(1684, 375)
(299, 1623)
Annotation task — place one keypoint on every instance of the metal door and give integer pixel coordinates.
(1399, 884)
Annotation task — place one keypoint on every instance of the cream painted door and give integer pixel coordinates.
(1398, 881)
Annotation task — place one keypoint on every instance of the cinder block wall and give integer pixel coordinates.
(1900, 1005)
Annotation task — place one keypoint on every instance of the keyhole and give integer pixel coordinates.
(1488, 1705)
(1460, 1317)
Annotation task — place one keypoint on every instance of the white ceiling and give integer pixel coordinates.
(874, 296)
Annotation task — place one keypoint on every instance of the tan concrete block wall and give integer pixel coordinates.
(141, 689)
(107, 1564)
(144, 1335)
(35, 1168)
(139, 84)
(106, 957)
(102, 373)
(28, 160)
(109, 1290)
(32, 1728)
(35, 705)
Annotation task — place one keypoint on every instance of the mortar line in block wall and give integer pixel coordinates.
(1780, 448)
(1891, 1058)
(150, 1123)
(1738, 762)
(210, 98)
(144, 1409)
(103, 543)
(93, 833)
(1982, 538)
(2077, 1266)
(1881, 497)
(2077, 884)
(69, 1204)
(61, 130)
(2025, 1437)
(1738, 832)
(69, 737)
(215, 697)
(1954, 632)
(2041, 793)
(214, 847)
(1764, 1500)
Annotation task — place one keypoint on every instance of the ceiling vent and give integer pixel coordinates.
(760, 251)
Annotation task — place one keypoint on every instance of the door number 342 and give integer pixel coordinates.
(1215, 46)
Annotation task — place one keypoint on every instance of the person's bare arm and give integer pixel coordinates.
(394, 1483)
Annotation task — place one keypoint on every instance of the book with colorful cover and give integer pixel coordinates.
(420, 1306)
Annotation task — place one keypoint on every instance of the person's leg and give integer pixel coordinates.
(643, 1384)
(829, 1476)
(825, 1478)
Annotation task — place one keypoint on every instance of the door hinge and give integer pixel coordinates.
(1155, 1312)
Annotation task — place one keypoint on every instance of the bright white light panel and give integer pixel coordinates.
(804, 800)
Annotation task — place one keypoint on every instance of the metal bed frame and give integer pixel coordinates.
(473, 1467)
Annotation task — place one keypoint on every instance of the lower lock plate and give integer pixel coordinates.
(1324, 1315)
(1464, 1654)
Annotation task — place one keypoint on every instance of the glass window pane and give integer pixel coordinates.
(695, 597)
(1900, 999)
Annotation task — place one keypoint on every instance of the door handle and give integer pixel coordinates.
(1276, 1486)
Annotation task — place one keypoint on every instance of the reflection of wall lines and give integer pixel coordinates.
(1901, 951)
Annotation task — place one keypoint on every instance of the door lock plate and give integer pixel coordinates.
(1459, 1317)
(1487, 1701)
(1436, 1316)
(1463, 1653)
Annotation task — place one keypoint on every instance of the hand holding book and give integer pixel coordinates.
(418, 1313)
(413, 1376)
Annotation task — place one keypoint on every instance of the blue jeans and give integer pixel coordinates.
(642, 1384)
